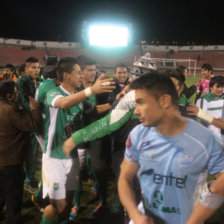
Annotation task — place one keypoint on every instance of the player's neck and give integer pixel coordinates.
(68, 87)
(172, 125)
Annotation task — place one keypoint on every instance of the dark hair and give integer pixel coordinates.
(157, 84)
(32, 60)
(65, 65)
(177, 75)
(22, 68)
(219, 80)
(181, 69)
(52, 60)
(6, 87)
(84, 61)
(120, 65)
(207, 67)
(11, 67)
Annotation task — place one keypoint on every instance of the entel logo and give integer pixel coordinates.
(167, 180)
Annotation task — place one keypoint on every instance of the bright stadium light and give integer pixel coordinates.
(108, 35)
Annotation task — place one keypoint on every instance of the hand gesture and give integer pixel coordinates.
(68, 146)
(103, 85)
(192, 110)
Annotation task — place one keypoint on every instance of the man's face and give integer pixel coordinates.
(89, 73)
(217, 90)
(148, 108)
(177, 85)
(206, 73)
(121, 74)
(33, 70)
(75, 77)
(8, 72)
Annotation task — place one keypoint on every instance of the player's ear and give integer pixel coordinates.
(165, 101)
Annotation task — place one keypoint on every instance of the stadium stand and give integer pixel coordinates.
(17, 51)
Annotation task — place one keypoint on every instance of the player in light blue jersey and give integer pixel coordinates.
(171, 156)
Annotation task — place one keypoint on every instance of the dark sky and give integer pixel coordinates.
(199, 21)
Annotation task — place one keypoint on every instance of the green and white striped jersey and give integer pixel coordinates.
(57, 120)
(214, 107)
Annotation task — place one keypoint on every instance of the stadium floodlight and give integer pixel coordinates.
(108, 35)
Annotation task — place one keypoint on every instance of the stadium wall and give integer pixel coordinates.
(16, 51)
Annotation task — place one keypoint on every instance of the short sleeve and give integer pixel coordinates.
(131, 153)
(52, 96)
(216, 157)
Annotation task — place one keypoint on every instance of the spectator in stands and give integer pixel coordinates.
(9, 72)
(188, 91)
(21, 70)
(15, 126)
(121, 80)
(203, 87)
(27, 86)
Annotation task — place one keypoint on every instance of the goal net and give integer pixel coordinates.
(174, 63)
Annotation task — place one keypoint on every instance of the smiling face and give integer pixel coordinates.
(121, 74)
(217, 90)
(206, 73)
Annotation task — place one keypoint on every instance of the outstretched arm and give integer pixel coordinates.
(100, 128)
(195, 111)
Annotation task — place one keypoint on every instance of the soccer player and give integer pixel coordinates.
(210, 106)
(122, 112)
(203, 87)
(64, 105)
(169, 154)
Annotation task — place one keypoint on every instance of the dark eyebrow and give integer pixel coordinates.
(139, 100)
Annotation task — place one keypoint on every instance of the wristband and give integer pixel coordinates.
(210, 200)
(201, 114)
(88, 92)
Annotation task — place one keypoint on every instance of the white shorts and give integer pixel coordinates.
(59, 176)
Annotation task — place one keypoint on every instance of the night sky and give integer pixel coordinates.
(198, 21)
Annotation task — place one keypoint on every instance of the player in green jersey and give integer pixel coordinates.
(59, 173)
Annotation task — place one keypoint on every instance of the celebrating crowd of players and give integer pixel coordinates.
(75, 110)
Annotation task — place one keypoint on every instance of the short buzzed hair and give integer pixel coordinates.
(32, 60)
(157, 84)
(84, 61)
(65, 65)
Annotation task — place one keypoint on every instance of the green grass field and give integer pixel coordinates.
(31, 214)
